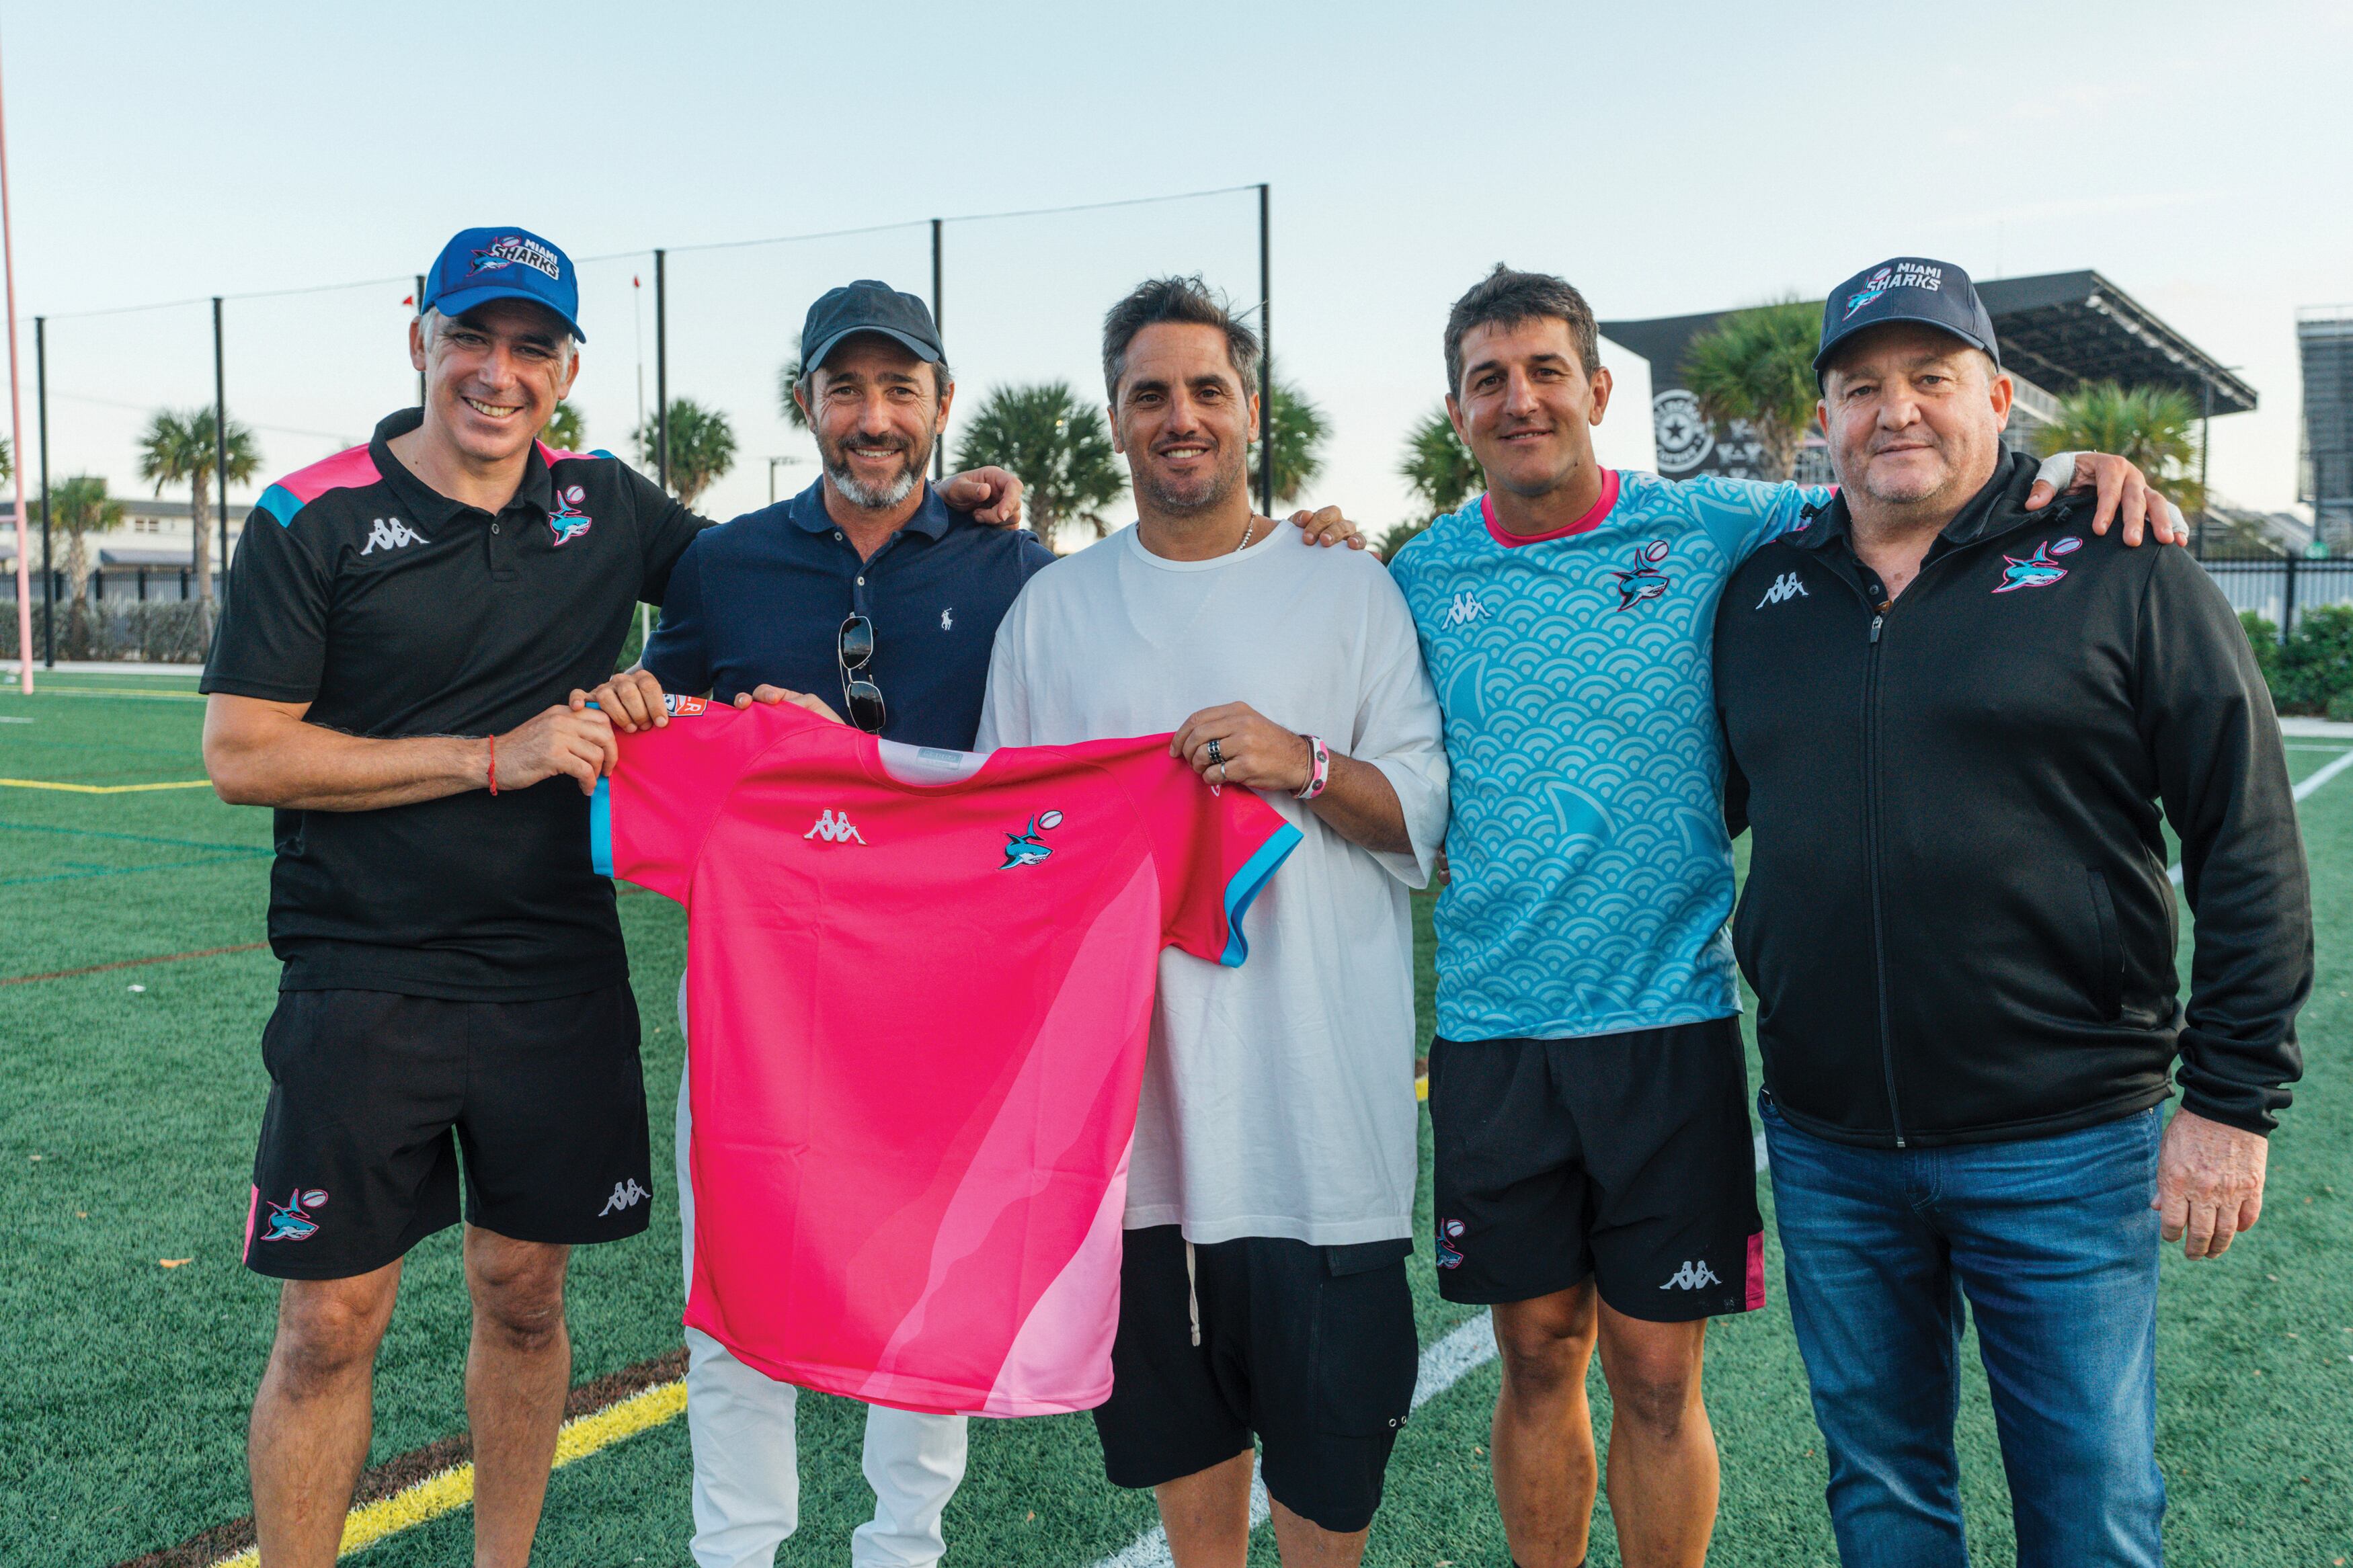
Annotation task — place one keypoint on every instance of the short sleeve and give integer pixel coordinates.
(1745, 515)
(272, 642)
(665, 527)
(649, 816)
(1004, 711)
(678, 654)
(1215, 853)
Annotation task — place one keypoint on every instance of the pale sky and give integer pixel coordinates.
(1666, 159)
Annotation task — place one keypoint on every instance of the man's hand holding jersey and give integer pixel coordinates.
(633, 701)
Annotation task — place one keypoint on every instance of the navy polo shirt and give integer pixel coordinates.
(762, 599)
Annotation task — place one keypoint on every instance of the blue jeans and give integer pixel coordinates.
(2053, 1244)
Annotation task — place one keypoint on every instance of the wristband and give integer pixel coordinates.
(492, 741)
(1321, 773)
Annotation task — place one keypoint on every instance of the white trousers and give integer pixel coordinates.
(747, 1485)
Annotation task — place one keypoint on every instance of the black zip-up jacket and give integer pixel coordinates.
(1957, 918)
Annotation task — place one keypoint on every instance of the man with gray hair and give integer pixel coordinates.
(411, 627)
(1956, 728)
(1262, 1287)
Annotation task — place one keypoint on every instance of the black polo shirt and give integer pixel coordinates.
(393, 610)
(762, 599)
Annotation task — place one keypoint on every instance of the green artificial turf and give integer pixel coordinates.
(123, 1385)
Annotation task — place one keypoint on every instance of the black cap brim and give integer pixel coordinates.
(1823, 354)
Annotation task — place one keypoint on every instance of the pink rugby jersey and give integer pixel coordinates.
(920, 983)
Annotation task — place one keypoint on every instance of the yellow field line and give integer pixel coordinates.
(103, 789)
(453, 1489)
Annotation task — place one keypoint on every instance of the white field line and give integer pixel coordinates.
(2302, 792)
(1467, 1347)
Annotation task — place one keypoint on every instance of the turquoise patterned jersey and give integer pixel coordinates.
(1592, 876)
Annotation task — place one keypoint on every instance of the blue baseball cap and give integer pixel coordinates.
(479, 265)
(1907, 289)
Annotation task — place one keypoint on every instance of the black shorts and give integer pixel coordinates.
(1625, 1159)
(373, 1095)
(1311, 1348)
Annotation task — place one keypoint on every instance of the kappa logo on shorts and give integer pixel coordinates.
(1023, 848)
(290, 1222)
(1691, 1277)
(834, 829)
(1449, 1231)
(626, 1195)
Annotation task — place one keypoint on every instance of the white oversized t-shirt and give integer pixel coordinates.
(1278, 1097)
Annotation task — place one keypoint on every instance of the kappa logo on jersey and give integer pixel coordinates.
(1022, 848)
(2038, 570)
(513, 250)
(1448, 1232)
(626, 1195)
(1465, 610)
(948, 619)
(1691, 1277)
(391, 534)
(289, 1221)
(1644, 581)
(834, 829)
(568, 521)
(685, 706)
(1785, 586)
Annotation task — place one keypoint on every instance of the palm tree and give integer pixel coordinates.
(1439, 469)
(1757, 366)
(179, 447)
(1299, 430)
(788, 377)
(82, 508)
(1057, 445)
(565, 429)
(702, 447)
(2152, 426)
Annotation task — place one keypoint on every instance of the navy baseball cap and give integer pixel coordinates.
(479, 265)
(867, 306)
(1907, 289)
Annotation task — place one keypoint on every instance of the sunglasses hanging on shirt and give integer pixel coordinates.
(853, 650)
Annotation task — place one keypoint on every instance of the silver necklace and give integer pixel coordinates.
(1246, 535)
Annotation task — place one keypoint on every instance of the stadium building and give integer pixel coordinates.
(2324, 338)
(2057, 331)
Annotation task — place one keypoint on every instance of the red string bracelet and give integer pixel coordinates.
(494, 742)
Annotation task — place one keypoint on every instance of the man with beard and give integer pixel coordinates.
(1262, 1285)
(869, 587)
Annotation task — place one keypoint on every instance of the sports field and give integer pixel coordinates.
(133, 986)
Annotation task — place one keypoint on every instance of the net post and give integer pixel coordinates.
(661, 367)
(17, 440)
(419, 298)
(940, 444)
(41, 416)
(221, 464)
(1265, 360)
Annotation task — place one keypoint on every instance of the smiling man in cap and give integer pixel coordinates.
(1956, 727)
(408, 625)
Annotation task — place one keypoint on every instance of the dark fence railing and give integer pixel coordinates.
(2282, 588)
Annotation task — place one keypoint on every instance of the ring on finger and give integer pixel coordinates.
(1217, 755)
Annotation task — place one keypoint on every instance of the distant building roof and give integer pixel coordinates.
(2058, 330)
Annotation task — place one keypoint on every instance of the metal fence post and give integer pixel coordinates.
(41, 414)
(662, 368)
(940, 444)
(2287, 601)
(1266, 358)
